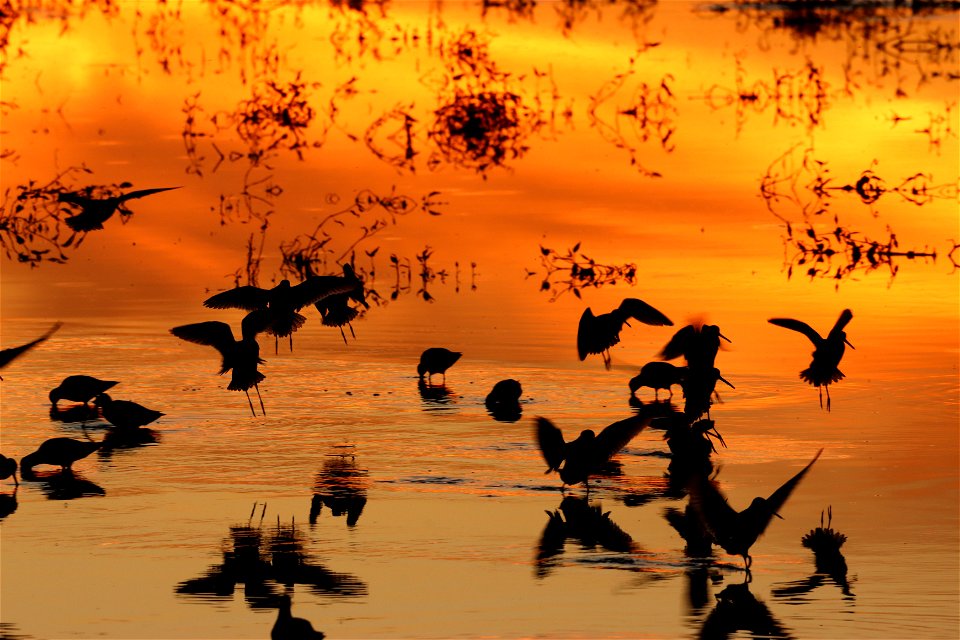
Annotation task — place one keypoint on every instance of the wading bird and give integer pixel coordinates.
(588, 453)
(699, 388)
(124, 413)
(289, 628)
(11, 354)
(60, 452)
(280, 304)
(242, 356)
(436, 360)
(735, 531)
(80, 389)
(827, 352)
(95, 211)
(503, 401)
(657, 375)
(335, 309)
(8, 468)
(697, 343)
(596, 334)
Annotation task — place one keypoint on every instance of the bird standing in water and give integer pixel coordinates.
(827, 352)
(59, 452)
(242, 356)
(9, 355)
(80, 389)
(289, 628)
(596, 334)
(657, 375)
(124, 413)
(436, 360)
(335, 310)
(8, 468)
(95, 211)
(585, 455)
(736, 531)
(697, 343)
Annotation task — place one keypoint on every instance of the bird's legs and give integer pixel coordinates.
(351, 331)
(828, 398)
(276, 344)
(606, 358)
(747, 562)
(344, 336)
(252, 412)
(291, 343)
(820, 389)
(257, 387)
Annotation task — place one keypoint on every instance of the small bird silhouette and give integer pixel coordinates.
(242, 356)
(699, 389)
(589, 452)
(11, 354)
(95, 211)
(335, 310)
(280, 304)
(697, 343)
(827, 352)
(657, 375)
(436, 360)
(61, 452)
(289, 628)
(80, 389)
(737, 531)
(503, 401)
(8, 468)
(596, 334)
(124, 413)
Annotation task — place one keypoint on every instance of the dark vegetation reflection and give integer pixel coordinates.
(340, 486)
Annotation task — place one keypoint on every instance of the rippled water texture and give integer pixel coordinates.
(490, 170)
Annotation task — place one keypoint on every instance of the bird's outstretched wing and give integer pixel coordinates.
(640, 310)
(777, 499)
(7, 355)
(677, 346)
(594, 336)
(213, 333)
(616, 436)
(247, 298)
(133, 195)
(845, 317)
(316, 288)
(716, 515)
(257, 321)
(796, 325)
(550, 440)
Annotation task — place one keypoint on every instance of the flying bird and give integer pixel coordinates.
(827, 352)
(735, 531)
(596, 334)
(80, 389)
(436, 360)
(60, 452)
(586, 455)
(335, 310)
(95, 211)
(11, 354)
(242, 356)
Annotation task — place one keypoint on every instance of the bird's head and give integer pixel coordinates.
(102, 399)
(54, 395)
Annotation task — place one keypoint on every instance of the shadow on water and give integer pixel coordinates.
(340, 486)
(737, 609)
(436, 397)
(8, 502)
(64, 485)
(264, 560)
(503, 401)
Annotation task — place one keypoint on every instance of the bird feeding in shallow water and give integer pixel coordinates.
(735, 532)
(9, 355)
(8, 468)
(124, 413)
(80, 389)
(588, 453)
(242, 356)
(657, 375)
(95, 211)
(58, 452)
(436, 360)
(503, 401)
(827, 352)
(596, 334)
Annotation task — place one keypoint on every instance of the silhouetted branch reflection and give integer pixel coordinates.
(574, 270)
(341, 486)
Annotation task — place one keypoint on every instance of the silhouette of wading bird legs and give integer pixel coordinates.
(80, 389)
(436, 360)
(697, 343)
(335, 309)
(827, 352)
(8, 468)
(586, 455)
(9, 355)
(289, 628)
(61, 452)
(596, 334)
(242, 356)
(657, 375)
(281, 303)
(124, 413)
(95, 211)
(737, 531)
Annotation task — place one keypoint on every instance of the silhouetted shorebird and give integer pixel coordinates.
(242, 356)
(95, 211)
(9, 355)
(289, 628)
(827, 353)
(436, 360)
(8, 468)
(124, 413)
(699, 388)
(281, 303)
(736, 531)
(587, 454)
(61, 452)
(657, 375)
(503, 401)
(596, 334)
(697, 343)
(80, 389)
(335, 310)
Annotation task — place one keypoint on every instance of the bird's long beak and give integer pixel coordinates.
(726, 382)
(849, 345)
(778, 515)
(726, 338)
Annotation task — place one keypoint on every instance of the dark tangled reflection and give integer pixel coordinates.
(264, 560)
(830, 565)
(340, 486)
(574, 270)
(737, 609)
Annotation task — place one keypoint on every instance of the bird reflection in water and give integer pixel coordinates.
(127, 438)
(94, 211)
(264, 559)
(74, 414)
(341, 486)
(825, 542)
(503, 401)
(584, 522)
(8, 503)
(64, 484)
(737, 609)
(287, 627)
(435, 396)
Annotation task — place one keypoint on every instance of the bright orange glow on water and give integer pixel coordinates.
(725, 165)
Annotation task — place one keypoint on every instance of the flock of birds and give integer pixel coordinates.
(709, 517)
